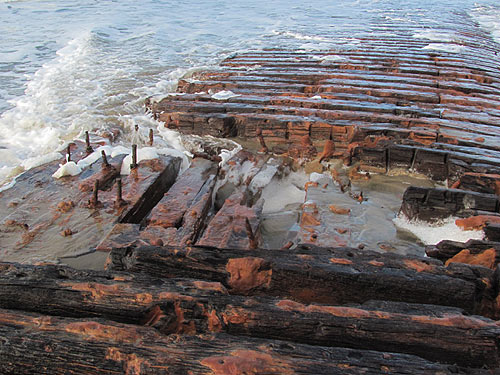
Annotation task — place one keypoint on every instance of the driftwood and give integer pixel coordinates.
(193, 307)
(332, 276)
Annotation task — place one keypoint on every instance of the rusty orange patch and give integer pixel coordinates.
(376, 263)
(476, 222)
(65, 206)
(144, 298)
(153, 316)
(211, 286)
(340, 261)
(214, 323)
(235, 315)
(418, 265)
(486, 258)
(459, 321)
(101, 332)
(339, 210)
(309, 220)
(132, 364)
(244, 361)
(248, 273)
(96, 290)
(340, 311)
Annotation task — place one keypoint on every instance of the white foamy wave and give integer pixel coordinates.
(299, 36)
(445, 47)
(50, 111)
(435, 35)
(431, 234)
(489, 18)
(168, 83)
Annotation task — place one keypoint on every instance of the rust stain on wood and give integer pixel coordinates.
(248, 273)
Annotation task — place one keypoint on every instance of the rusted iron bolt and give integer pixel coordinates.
(87, 142)
(134, 157)
(151, 137)
(119, 199)
(68, 153)
(260, 137)
(251, 237)
(95, 198)
(105, 163)
(119, 189)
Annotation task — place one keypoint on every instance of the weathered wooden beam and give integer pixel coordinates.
(193, 307)
(42, 344)
(146, 185)
(229, 228)
(447, 249)
(431, 204)
(332, 276)
(170, 210)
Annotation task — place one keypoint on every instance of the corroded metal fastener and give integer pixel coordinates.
(151, 137)
(95, 197)
(260, 137)
(105, 163)
(68, 153)
(134, 157)
(87, 142)
(119, 199)
(251, 237)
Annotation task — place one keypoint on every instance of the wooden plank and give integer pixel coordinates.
(193, 307)
(63, 345)
(332, 276)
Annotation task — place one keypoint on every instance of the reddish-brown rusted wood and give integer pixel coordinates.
(332, 276)
(193, 307)
(38, 343)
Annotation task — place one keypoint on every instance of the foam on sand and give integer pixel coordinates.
(431, 234)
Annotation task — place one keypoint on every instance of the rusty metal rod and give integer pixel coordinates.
(87, 142)
(119, 190)
(105, 163)
(95, 198)
(134, 157)
(151, 137)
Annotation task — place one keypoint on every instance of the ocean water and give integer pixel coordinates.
(67, 66)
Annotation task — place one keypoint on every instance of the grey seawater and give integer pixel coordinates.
(67, 66)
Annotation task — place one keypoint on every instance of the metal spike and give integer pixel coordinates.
(134, 157)
(87, 142)
(151, 137)
(105, 163)
(68, 153)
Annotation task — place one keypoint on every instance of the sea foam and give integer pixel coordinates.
(431, 234)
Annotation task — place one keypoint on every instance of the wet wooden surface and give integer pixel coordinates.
(189, 287)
